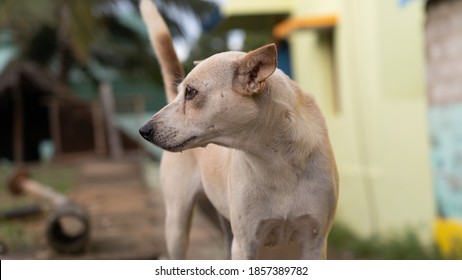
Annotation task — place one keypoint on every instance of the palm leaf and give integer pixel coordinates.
(89, 30)
(173, 11)
(84, 29)
(26, 20)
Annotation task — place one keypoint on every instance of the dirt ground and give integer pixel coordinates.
(125, 208)
(124, 204)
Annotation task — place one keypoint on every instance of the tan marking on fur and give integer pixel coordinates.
(199, 101)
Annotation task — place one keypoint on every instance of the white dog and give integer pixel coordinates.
(266, 163)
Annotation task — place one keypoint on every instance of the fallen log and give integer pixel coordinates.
(68, 227)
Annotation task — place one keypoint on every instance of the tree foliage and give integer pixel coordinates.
(62, 34)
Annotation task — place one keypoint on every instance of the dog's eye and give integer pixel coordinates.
(190, 93)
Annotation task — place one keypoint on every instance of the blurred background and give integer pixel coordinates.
(78, 78)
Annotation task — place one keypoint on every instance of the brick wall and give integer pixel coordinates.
(444, 51)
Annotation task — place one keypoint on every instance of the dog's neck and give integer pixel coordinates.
(289, 128)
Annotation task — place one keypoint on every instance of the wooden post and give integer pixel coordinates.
(139, 107)
(98, 129)
(18, 126)
(107, 99)
(55, 128)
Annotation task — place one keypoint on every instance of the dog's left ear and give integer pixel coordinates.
(254, 68)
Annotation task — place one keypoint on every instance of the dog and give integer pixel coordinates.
(242, 131)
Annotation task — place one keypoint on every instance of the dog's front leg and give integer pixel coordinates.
(314, 249)
(180, 193)
(227, 234)
(177, 227)
(243, 249)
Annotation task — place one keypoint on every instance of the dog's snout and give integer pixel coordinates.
(146, 131)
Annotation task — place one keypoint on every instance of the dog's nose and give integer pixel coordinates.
(146, 131)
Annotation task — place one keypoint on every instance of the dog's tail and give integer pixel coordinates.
(162, 44)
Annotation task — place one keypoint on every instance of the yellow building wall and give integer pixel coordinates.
(370, 87)
(253, 7)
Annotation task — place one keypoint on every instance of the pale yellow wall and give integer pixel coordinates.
(405, 184)
(379, 132)
(314, 7)
(252, 7)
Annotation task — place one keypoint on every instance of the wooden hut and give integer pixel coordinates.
(35, 108)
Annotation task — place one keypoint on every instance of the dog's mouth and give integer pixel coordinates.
(179, 147)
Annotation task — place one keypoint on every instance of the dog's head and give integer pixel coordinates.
(215, 102)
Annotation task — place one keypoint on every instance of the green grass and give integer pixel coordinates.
(14, 235)
(58, 177)
(406, 246)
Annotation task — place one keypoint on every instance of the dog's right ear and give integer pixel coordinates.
(254, 68)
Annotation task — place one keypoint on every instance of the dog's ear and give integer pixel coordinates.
(254, 68)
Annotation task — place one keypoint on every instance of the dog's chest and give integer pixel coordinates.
(278, 231)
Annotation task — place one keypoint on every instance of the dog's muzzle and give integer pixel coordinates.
(146, 131)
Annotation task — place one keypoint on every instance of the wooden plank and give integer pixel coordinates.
(283, 29)
(18, 126)
(54, 125)
(107, 99)
(139, 107)
(98, 129)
